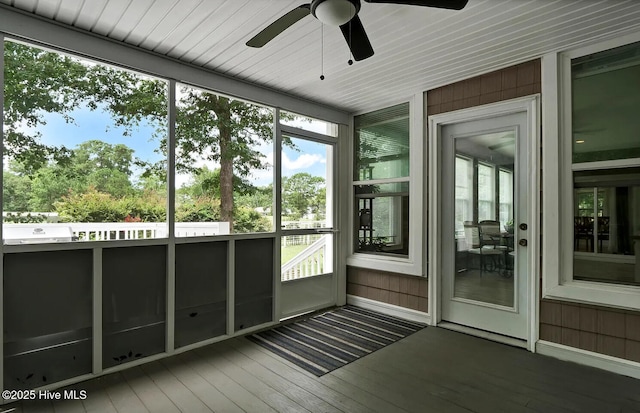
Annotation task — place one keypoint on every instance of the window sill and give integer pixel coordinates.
(602, 294)
(385, 263)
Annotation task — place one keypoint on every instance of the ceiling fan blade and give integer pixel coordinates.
(283, 23)
(440, 4)
(356, 37)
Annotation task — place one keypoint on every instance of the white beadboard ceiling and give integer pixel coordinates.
(416, 48)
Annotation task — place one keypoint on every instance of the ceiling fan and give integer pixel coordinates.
(342, 13)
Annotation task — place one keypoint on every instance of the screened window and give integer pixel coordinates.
(224, 171)
(309, 124)
(85, 150)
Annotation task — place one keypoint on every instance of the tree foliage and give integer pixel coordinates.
(219, 131)
(303, 193)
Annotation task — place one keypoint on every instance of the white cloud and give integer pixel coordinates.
(304, 161)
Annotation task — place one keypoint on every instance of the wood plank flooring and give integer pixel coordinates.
(433, 370)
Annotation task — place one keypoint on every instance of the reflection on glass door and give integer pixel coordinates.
(307, 233)
(484, 218)
(484, 271)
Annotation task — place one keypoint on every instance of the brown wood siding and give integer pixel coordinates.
(402, 290)
(512, 82)
(599, 329)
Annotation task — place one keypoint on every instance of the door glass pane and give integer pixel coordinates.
(306, 255)
(306, 205)
(484, 253)
(306, 194)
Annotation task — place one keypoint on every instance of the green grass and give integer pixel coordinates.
(290, 252)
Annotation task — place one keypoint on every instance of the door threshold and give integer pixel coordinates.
(511, 341)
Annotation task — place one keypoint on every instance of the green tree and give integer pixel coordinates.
(16, 191)
(220, 130)
(206, 183)
(100, 165)
(300, 194)
(213, 128)
(49, 185)
(38, 82)
(260, 197)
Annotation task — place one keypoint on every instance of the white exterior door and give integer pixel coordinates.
(486, 224)
(307, 232)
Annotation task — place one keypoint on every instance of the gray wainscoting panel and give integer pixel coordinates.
(201, 291)
(253, 282)
(47, 317)
(134, 303)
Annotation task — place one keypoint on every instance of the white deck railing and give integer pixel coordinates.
(106, 231)
(309, 262)
(313, 260)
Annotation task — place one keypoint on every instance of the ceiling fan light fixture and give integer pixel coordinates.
(334, 12)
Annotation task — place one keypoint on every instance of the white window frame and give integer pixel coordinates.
(510, 198)
(557, 179)
(492, 183)
(413, 264)
(468, 201)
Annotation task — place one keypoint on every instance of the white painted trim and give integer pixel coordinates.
(589, 358)
(557, 185)
(306, 134)
(276, 207)
(413, 264)
(610, 164)
(24, 26)
(383, 181)
(170, 327)
(384, 263)
(484, 334)
(97, 312)
(231, 287)
(389, 309)
(171, 209)
(1, 209)
(342, 219)
(530, 105)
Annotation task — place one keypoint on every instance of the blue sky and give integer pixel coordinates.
(98, 125)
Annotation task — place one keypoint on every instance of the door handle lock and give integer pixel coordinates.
(523, 226)
(523, 242)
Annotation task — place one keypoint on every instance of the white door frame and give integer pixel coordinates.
(332, 215)
(530, 105)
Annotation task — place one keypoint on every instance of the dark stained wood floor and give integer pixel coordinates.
(434, 370)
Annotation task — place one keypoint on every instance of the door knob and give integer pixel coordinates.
(523, 242)
(523, 226)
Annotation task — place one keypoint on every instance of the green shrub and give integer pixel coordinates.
(201, 209)
(249, 220)
(24, 218)
(94, 206)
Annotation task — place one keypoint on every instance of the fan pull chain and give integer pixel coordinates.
(322, 51)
